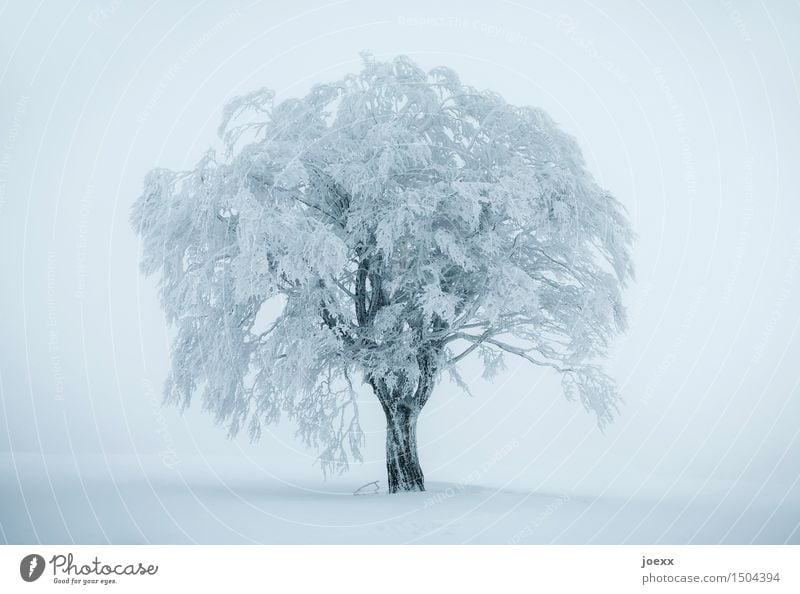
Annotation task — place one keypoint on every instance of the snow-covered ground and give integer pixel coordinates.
(192, 505)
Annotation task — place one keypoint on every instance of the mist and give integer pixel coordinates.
(689, 115)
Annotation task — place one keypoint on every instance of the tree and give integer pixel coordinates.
(399, 222)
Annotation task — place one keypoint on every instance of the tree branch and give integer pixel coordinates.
(486, 338)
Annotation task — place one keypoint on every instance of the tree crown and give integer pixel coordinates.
(399, 221)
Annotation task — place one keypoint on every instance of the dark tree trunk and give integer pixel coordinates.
(402, 462)
(401, 405)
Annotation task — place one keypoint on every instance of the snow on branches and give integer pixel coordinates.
(383, 228)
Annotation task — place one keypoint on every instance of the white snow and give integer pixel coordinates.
(200, 503)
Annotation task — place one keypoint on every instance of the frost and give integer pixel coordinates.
(400, 223)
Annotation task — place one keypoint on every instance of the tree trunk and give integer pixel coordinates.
(401, 405)
(402, 462)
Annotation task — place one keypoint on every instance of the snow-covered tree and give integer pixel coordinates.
(399, 222)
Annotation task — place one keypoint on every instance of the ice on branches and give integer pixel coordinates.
(383, 229)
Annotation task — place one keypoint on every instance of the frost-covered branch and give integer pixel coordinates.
(351, 237)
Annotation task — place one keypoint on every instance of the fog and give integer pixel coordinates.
(688, 114)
